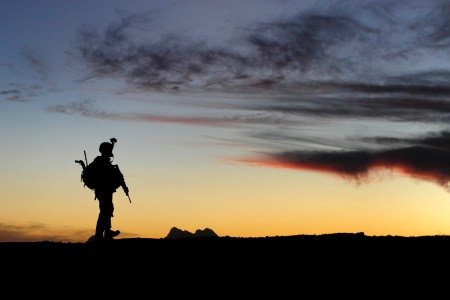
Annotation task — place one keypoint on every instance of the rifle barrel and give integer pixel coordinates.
(85, 157)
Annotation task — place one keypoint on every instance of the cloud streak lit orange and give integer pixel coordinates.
(424, 163)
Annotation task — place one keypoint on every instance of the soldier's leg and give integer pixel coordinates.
(104, 219)
(99, 228)
(109, 209)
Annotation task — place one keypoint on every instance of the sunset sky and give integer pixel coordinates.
(249, 117)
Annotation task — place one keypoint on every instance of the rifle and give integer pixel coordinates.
(123, 185)
(82, 162)
(128, 196)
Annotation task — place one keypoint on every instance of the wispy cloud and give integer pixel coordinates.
(18, 92)
(37, 63)
(11, 94)
(37, 232)
(364, 62)
(360, 41)
(85, 108)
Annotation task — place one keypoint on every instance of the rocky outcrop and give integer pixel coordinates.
(176, 233)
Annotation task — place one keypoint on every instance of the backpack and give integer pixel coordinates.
(94, 176)
(89, 177)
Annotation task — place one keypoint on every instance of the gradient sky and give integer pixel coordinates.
(249, 117)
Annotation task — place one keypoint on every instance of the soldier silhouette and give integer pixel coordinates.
(105, 178)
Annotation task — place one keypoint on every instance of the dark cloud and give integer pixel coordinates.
(426, 158)
(438, 140)
(321, 43)
(396, 105)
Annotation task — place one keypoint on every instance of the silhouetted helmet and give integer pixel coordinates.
(106, 149)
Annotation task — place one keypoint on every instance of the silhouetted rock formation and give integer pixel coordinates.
(176, 233)
(205, 233)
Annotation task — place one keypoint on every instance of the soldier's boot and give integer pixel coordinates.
(110, 234)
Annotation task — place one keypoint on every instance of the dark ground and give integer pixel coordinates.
(342, 264)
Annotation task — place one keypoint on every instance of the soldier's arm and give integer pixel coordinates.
(125, 188)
